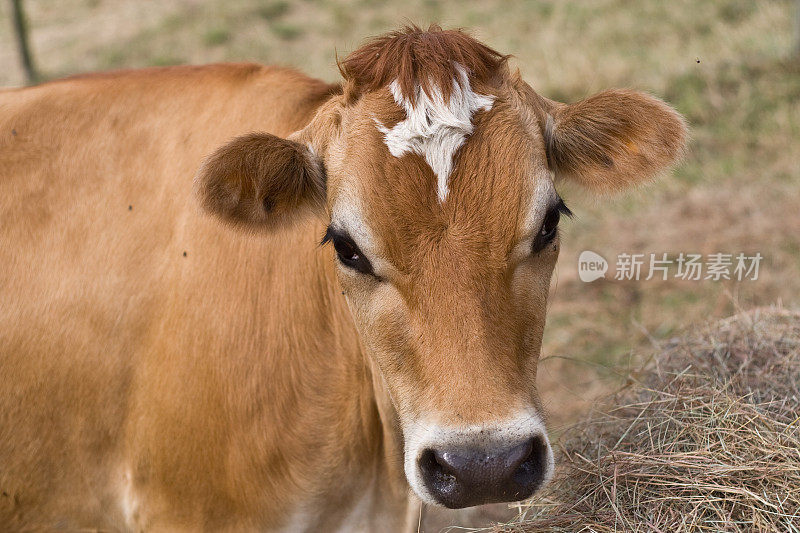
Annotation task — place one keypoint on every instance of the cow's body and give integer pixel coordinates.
(155, 371)
(179, 353)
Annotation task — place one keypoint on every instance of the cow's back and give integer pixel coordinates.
(103, 250)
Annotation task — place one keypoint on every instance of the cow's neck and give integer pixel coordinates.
(390, 427)
(371, 448)
(367, 490)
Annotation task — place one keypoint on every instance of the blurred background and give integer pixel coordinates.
(731, 67)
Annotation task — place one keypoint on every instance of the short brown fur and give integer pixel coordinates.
(162, 371)
(416, 57)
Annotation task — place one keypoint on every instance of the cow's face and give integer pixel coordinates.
(442, 211)
(447, 277)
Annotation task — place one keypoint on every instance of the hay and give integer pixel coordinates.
(707, 438)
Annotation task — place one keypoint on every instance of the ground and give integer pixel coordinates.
(727, 65)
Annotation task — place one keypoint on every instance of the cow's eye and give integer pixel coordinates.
(348, 253)
(549, 228)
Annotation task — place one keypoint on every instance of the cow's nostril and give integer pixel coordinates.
(531, 470)
(437, 471)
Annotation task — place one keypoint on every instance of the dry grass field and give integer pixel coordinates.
(727, 65)
(704, 438)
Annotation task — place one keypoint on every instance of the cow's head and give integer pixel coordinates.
(435, 170)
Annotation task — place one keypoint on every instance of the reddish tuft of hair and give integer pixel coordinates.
(426, 57)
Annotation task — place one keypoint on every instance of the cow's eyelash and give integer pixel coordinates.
(562, 208)
(327, 237)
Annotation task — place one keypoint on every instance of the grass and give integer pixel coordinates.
(706, 438)
(272, 10)
(287, 32)
(216, 36)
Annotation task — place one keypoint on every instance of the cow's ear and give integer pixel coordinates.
(261, 181)
(612, 140)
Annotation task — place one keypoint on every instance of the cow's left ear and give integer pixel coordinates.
(612, 140)
(261, 181)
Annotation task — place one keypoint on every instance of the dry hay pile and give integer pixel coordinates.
(707, 438)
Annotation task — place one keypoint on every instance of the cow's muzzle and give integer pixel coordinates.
(496, 461)
(465, 476)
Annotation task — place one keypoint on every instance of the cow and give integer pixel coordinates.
(238, 298)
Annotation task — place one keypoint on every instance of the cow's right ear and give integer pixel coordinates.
(261, 181)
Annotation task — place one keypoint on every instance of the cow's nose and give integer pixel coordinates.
(463, 477)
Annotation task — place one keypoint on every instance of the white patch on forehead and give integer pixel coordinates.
(435, 129)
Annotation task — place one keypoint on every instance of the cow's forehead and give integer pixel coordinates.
(435, 127)
(496, 186)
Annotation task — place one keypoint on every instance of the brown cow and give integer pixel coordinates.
(169, 368)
